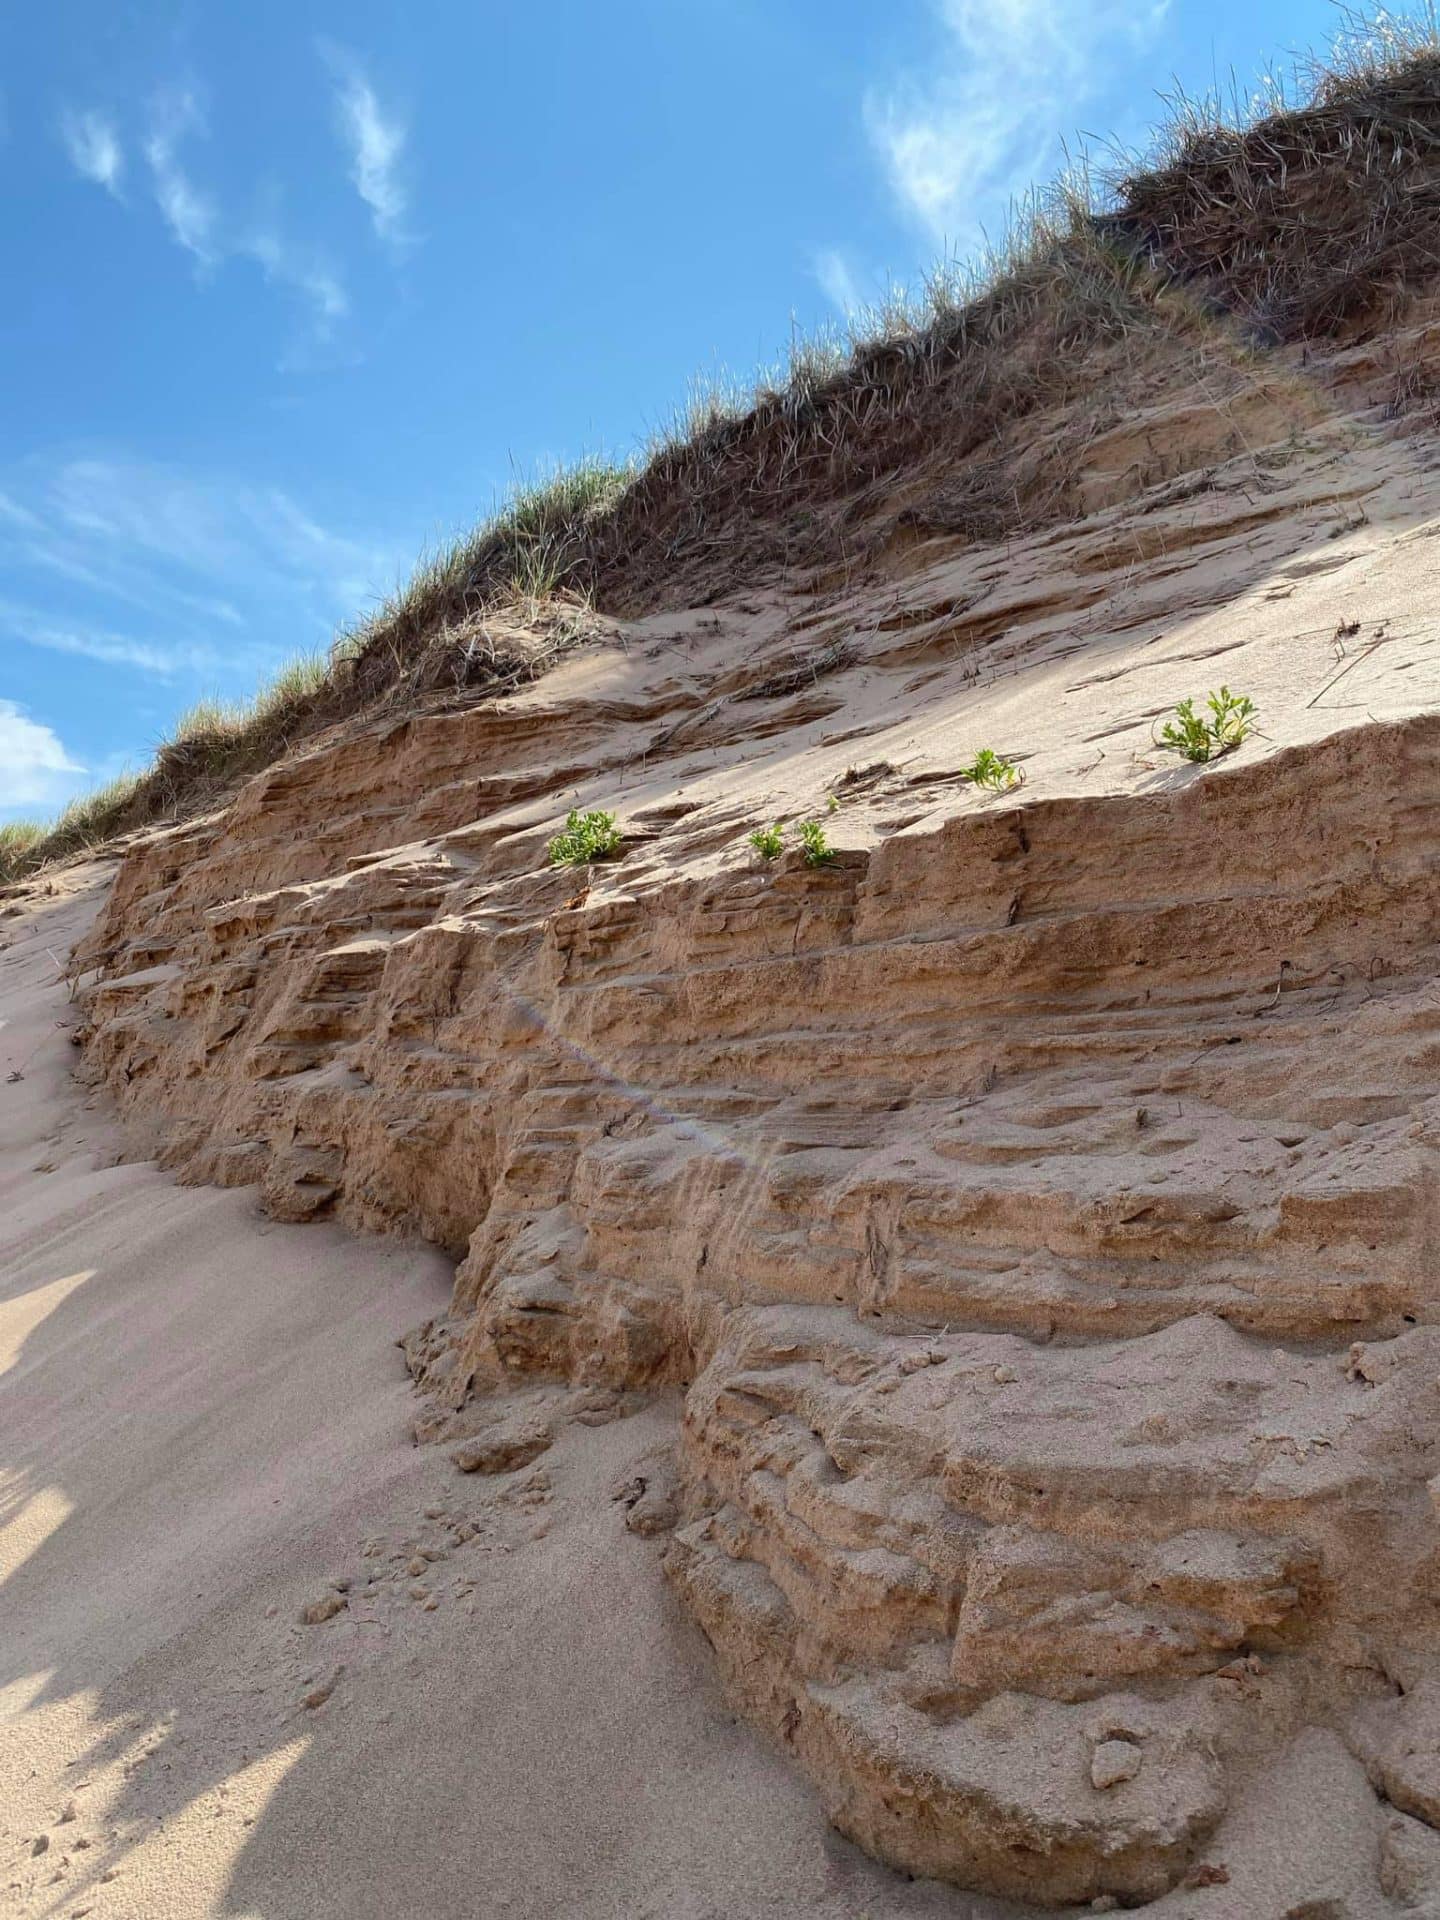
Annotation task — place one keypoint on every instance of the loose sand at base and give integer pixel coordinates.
(203, 1420)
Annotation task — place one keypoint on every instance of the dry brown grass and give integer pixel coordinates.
(1309, 218)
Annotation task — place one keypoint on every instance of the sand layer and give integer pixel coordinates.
(204, 1425)
(997, 1261)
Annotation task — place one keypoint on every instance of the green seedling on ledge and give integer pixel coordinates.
(587, 837)
(769, 842)
(992, 771)
(1231, 719)
(817, 848)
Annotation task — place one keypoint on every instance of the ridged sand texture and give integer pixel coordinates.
(1037, 1203)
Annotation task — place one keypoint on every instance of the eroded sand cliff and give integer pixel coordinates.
(205, 1446)
(1034, 1208)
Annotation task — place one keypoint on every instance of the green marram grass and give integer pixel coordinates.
(18, 841)
(90, 818)
(528, 550)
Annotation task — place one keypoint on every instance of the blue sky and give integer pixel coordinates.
(295, 289)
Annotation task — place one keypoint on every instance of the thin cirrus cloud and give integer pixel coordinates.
(156, 660)
(193, 219)
(93, 145)
(189, 212)
(308, 274)
(961, 144)
(169, 574)
(374, 142)
(837, 281)
(192, 215)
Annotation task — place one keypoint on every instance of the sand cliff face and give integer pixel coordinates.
(1036, 1203)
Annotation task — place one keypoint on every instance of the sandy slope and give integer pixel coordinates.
(202, 1420)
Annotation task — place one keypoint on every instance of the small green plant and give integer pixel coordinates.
(587, 837)
(817, 848)
(769, 842)
(992, 771)
(1231, 719)
(832, 803)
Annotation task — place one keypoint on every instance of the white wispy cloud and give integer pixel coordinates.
(172, 573)
(36, 771)
(195, 221)
(159, 660)
(960, 143)
(375, 142)
(88, 567)
(307, 274)
(94, 148)
(189, 212)
(837, 281)
(225, 532)
(18, 515)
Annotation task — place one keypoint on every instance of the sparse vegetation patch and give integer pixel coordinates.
(1228, 719)
(818, 851)
(530, 551)
(768, 842)
(992, 771)
(587, 836)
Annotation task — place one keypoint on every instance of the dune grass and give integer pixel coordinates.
(530, 549)
(211, 740)
(215, 736)
(18, 841)
(88, 821)
(1250, 221)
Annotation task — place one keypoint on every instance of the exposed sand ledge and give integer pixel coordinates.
(203, 1418)
(1035, 1202)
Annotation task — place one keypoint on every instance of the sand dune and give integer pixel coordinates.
(991, 1233)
